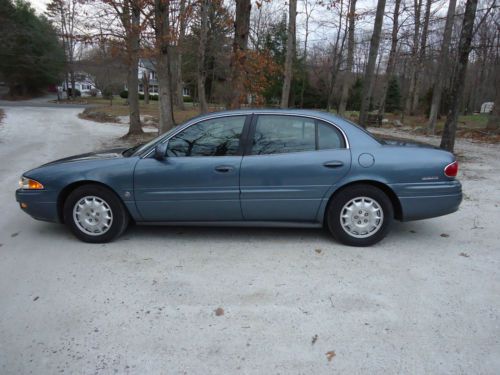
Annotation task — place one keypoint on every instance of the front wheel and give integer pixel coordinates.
(360, 215)
(95, 214)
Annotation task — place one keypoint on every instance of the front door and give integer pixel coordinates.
(293, 162)
(199, 178)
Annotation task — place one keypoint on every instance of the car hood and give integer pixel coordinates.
(98, 155)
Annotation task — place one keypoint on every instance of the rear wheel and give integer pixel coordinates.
(360, 215)
(95, 214)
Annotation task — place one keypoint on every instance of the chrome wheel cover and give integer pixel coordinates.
(92, 215)
(361, 217)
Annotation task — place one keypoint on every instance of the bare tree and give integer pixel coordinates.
(145, 86)
(421, 55)
(457, 88)
(338, 49)
(350, 57)
(177, 81)
(493, 124)
(417, 5)
(128, 12)
(238, 58)
(65, 13)
(389, 71)
(162, 36)
(202, 71)
(441, 67)
(370, 66)
(290, 53)
(308, 10)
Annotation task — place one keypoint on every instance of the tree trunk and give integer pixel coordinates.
(414, 55)
(457, 88)
(421, 56)
(392, 58)
(73, 84)
(290, 53)
(202, 71)
(179, 86)
(162, 30)
(441, 68)
(145, 87)
(335, 60)
(238, 58)
(133, 70)
(350, 58)
(372, 60)
(304, 77)
(493, 124)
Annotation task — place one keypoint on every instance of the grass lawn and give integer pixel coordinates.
(119, 107)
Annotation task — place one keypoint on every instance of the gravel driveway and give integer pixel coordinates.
(425, 300)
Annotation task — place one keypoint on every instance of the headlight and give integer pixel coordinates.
(29, 184)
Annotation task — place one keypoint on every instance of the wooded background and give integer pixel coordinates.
(359, 58)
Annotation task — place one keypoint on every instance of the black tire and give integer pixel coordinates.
(119, 214)
(346, 195)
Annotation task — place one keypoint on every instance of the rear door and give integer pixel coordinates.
(199, 178)
(291, 163)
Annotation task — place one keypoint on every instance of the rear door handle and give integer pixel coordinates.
(333, 164)
(224, 168)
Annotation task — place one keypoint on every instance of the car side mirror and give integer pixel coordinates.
(161, 151)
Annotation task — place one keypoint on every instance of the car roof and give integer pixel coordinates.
(277, 111)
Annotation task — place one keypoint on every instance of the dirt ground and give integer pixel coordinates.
(426, 300)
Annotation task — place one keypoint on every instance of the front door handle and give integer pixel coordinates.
(223, 168)
(333, 164)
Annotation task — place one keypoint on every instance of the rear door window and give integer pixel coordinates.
(277, 134)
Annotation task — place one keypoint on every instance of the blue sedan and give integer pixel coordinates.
(248, 168)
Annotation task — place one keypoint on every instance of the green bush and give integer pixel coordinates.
(124, 94)
(188, 99)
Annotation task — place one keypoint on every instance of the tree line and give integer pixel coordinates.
(430, 58)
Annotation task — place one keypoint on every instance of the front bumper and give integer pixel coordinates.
(39, 204)
(427, 200)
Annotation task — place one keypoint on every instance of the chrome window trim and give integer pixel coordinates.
(234, 114)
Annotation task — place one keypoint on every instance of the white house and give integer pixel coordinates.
(83, 83)
(147, 66)
(486, 107)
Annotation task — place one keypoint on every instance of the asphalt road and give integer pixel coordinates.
(426, 300)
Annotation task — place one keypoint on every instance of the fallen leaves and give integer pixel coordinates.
(314, 339)
(330, 355)
(318, 251)
(219, 311)
(445, 235)
(464, 255)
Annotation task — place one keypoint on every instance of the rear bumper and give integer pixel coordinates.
(38, 204)
(427, 200)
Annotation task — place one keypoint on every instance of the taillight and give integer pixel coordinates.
(451, 170)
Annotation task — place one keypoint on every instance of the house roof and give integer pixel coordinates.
(148, 64)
